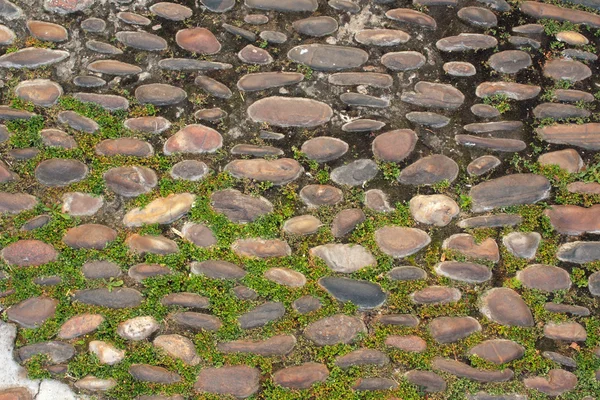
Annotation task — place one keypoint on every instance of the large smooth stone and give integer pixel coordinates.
(463, 370)
(315, 26)
(32, 57)
(193, 139)
(124, 147)
(78, 122)
(130, 181)
(546, 278)
(261, 248)
(33, 312)
(333, 330)
(89, 236)
(565, 331)
(427, 118)
(585, 135)
(381, 37)
(261, 315)
(403, 60)
(478, 16)
(320, 195)
(325, 57)
(558, 381)
(521, 244)
(482, 165)
(290, 111)
(510, 61)
(142, 41)
(285, 276)
(139, 272)
(429, 381)
(60, 172)
(344, 258)
(114, 67)
(238, 207)
(152, 244)
(466, 42)
(504, 306)
(163, 210)
(509, 190)
(14, 203)
(197, 321)
(283, 5)
(436, 295)
(80, 325)
(117, 298)
(372, 79)
(412, 17)
(198, 40)
(559, 111)
(400, 242)
(57, 352)
(394, 146)
(452, 329)
(240, 381)
(434, 95)
(574, 220)
(364, 294)
(153, 374)
(466, 245)
(137, 328)
(100, 270)
(407, 273)
(429, 171)
(579, 252)
(217, 269)
(267, 80)
(568, 70)
(218, 6)
(171, 11)
(464, 271)
(436, 209)
(490, 143)
(513, 90)
(498, 351)
(26, 253)
(302, 376)
(41, 92)
(356, 173)
(178, 346)
(159, 94)
(362, 357)
(280, 172)
(345, 221)
(324, 148)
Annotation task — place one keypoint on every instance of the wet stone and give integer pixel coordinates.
(394, 145)
(429, 381)
(504, 306)
(429, 171)
(362, 357)
(400, 242)
(80, 325)
(163, 210)
(117, 298)
(452, 329)
(324, 57)
(435, 209)
(41, 92)
(478, 16)
(198, 40)
(261, 315)
(185, 299)
(306, 304)
(138, 328)
(25, 253)
(197, 321)
(279, 345)
(570, 70)
(171, 11)
(240, 381)
(335, 329)
(344, 258)
(217, 269)
(33, 312)
(364, 294)
(522, 244)
(78, 122)
(465, 371)
(301, 376)
(407, 273)
(60, 172)
(482, 165)
(153, 374)
(57, 352)
(498, 351)
(255, 55)
(315, 26)
(355, 173)
(436, 295)
(345, 221)
(556, 383)
(429, 119)
(130, 181)
(510, 61)
(466, 42)
(151, 244)
(566, 331)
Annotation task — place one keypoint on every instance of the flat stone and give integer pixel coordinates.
(495, 126)
(381, 37)
(286, 277)
(219, 6)
(410, 343)
(32, 57)
(430, 119)
(256, 150)
(452, 329)
(267, 80)
(400, 242)
(403, 60)
(345, 221)
(302, 225)
(464, 271)
(93, 384)
(374, 384)
(491, 221)
(189, 170)
(566, 331)
(26, 153)
(57, 138)
(139, 272)
(459, 68)
(60, 172)
(510, 61)
(335, 329)
(10, 11)
(93, 25)
(273, 37)
(117, 298)
(498, 351)
(103, 48)
(372, 79)
(399, 320)
(356, 173)
(429, 171)
(185, 299)
(78, 122)
(133, 18)
(33, 312)
(100, 269)
(567, 309)
(261, 248)
(429, 381)
(466, 42)
(261, 315)
(523, 245)
(315, 26)
(193, 139)
(394, 146)
(325, 57)
(524, 43)
(363, 100)
(324, 148)
(465, 371)
(569, 70)
(344, 258)
(188, 64)
(162, 210)
(584, 187)
(124, 147)
(199, 234)
(412, 17)
(171, 11)
(238, 207)
(343, 5)
(240, 381)
(130, 181)
(436, 295)
(16, 393)
(509, 190)
(478, 16)
(362, 357)
(505, 307)
(114, 67)
(560, 359)
(80, 325)
(152, 244)
(25, 253)
(160, 94)
(573, 96)
(306, 304)
(301, 376)
(179, 347)
(283, 111)
(279, 172)
(57, 352)
(142, 40)
(89, 236)
(363, 125)
(494, 144)
(197, 321)
(6, 175)
(41, 92)
(211, 114)
(152, 125)
(467, 246)
(583, 135)
(213, 87)
(436, 209)
(482, 165)
(574, 220)
(36, 223)
(320, 195)
(138, 328)
(241, 32)
(557, 383)
(256, 19)
(81, 204)
(434, 95)
(376, 200)
(10, 114)
(579, 252)
(217, 269)
(153, 374)
(279, 345)
(106, 352)
(406, 273)
(364, 294)
(512, 90)
(559, 111)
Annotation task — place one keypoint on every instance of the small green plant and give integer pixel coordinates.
(499, 101)
(306, 70)
(465, 201)
(391, 171)
(441, 186)
(113, 283)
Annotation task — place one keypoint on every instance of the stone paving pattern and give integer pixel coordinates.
(297, 199)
